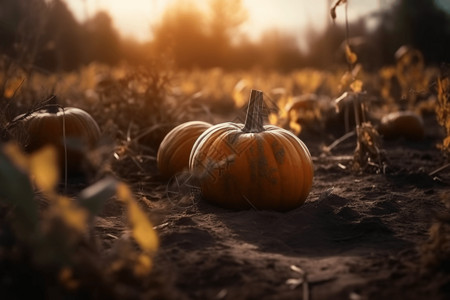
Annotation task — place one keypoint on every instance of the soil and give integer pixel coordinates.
(358, 236)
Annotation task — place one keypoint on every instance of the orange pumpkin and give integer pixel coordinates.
(71, 130)
(240, 166)
(405, 124)
(174, 150)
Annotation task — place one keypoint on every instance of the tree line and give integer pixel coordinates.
(45, 34)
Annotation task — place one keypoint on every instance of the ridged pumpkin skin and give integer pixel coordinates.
(174, 150)
(46, 127)
(405, 124)
(270, 169)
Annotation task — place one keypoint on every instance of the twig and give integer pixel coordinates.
(28, 113)
(65, 149)
(340, 140)
(303, 281)
(439, 169)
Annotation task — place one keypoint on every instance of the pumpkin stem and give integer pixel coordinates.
(52, 105)
(254, 118)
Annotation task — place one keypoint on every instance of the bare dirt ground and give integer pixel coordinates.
(358, 236)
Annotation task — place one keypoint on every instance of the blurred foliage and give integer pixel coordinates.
(43, 233)
(44, 36)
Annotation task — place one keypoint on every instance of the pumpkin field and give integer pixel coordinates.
(150, 181)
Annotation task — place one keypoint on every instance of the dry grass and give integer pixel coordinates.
(136, 107)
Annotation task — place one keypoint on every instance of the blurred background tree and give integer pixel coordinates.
(102, 40)
(44, 34)
(418, 23)
(62, 44)
(182, 33)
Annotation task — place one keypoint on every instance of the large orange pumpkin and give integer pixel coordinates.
(72, 131)
(240, 166)
(174, 150)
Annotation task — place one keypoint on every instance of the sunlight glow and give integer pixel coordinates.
(135, 17)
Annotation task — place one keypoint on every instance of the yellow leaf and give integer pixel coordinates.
(293, 125)
(142, 229)
(14, 152)
(143, 265)
(73, 215)
(356, 86)
(351, 56)
(44, 168)
(65, 276)
(345, 81)
(240, 93)
(447, 142)
(273, 119)
(12, 86)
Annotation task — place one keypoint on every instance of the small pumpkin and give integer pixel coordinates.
(174, 150)
(405, 124)
(240, 166)
(72, 131)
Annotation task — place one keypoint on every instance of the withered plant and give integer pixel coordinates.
(443, 111)
(368, 151)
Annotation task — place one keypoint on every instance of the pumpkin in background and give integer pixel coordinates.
(68, 129)
(174, 150)
(240, 166)
(405, 124)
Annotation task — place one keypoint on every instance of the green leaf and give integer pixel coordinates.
(15, 184)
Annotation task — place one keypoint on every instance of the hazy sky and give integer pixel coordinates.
(135, 17)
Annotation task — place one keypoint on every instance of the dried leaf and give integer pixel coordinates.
(350, 55)
(333, 12)
(345, 81)
(446, 142)
(44, 168)
(65, 276)
(70, 213)
(295, 127)
(443, 110)
(333, 8)
(368, 148)
(356, 86)
(240, 92)
(273, 119)
(142, 229)
(12, 86)
(143, 265)
(16, 155)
